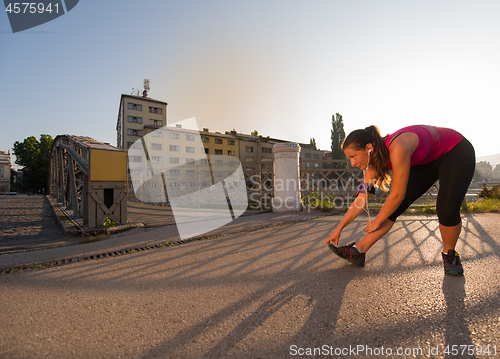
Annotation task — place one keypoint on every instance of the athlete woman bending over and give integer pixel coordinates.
(418, 156)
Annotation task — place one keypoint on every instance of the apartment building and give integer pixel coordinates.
(134, 115)
(4, 171)
(310, 157)
(217, 143)
(254, 148)
(260, 148)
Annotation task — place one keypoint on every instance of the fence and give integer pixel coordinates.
(333, 182)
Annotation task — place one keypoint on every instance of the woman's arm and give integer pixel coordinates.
(400, 153)
(354, 210)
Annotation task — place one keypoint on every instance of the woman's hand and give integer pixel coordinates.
(334, 237)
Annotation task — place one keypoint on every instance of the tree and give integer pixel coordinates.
(338, 136)
(254, 133)
(312, 141)
(34, 156)
(15, 184)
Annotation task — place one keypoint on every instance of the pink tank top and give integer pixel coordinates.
(433, 142)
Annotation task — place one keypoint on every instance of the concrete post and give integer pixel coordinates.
(286, 178)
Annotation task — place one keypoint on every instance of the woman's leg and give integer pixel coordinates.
(450, 235)
(420, 180)
(455, 174)
(369, 239)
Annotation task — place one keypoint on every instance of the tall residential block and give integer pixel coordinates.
(135, 114)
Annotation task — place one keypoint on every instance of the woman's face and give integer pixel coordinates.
(359, 158)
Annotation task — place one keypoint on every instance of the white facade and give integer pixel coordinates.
(4, 172)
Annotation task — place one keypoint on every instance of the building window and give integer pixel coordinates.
(190, 161)
(134, 145)
(155, 122)
(218, 152)
(205, 139)
(174, 159)
(156, 146)
(156, 159)
(206, 151)
(135, 158)
(189, 149)
(189, 137)
(174, 172)
(134, 106)
(132, 132)
(248, 149)
(267, 150)
(173, 135)
(230, 142)
(218, 141)
(307, 155)
(204, 162)
(316, 156)
(134, 119)
(249, 159)
(155, 110)
(156, 134)
(231, 153)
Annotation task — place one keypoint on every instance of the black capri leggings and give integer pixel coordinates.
(454, 170)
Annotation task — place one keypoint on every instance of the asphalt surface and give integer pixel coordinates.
(29, 223)
(265, 287)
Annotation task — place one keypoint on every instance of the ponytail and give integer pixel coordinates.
(359, 139)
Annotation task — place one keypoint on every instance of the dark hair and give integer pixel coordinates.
(359, 139)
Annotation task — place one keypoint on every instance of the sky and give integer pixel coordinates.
(280, 67)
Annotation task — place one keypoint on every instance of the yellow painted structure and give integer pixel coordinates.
(108, 166)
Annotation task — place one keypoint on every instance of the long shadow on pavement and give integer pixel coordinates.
(278, 290)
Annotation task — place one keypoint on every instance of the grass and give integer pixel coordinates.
(486, 205)
(483, 206)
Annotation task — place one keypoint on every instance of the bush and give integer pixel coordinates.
(486, 205)
(493, 192)
(323, 201)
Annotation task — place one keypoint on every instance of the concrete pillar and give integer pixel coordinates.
(286, 178)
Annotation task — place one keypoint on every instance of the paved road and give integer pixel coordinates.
(29, 223)
(273, 292)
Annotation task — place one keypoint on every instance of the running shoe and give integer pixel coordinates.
(350, 253)
(452, 264)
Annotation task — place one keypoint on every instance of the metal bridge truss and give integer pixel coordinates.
(78, 183)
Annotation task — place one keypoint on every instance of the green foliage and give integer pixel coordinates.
(487, 205)
(109, 223)
(323, 201)
(337, 136)
(254, 133)
(15, 185)
(34, 156)
(484, 206)
(312, 141)
(493, 192)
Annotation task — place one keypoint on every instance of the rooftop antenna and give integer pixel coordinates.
(146, 88)
(134, 89)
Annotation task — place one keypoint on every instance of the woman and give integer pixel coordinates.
(418, 156)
